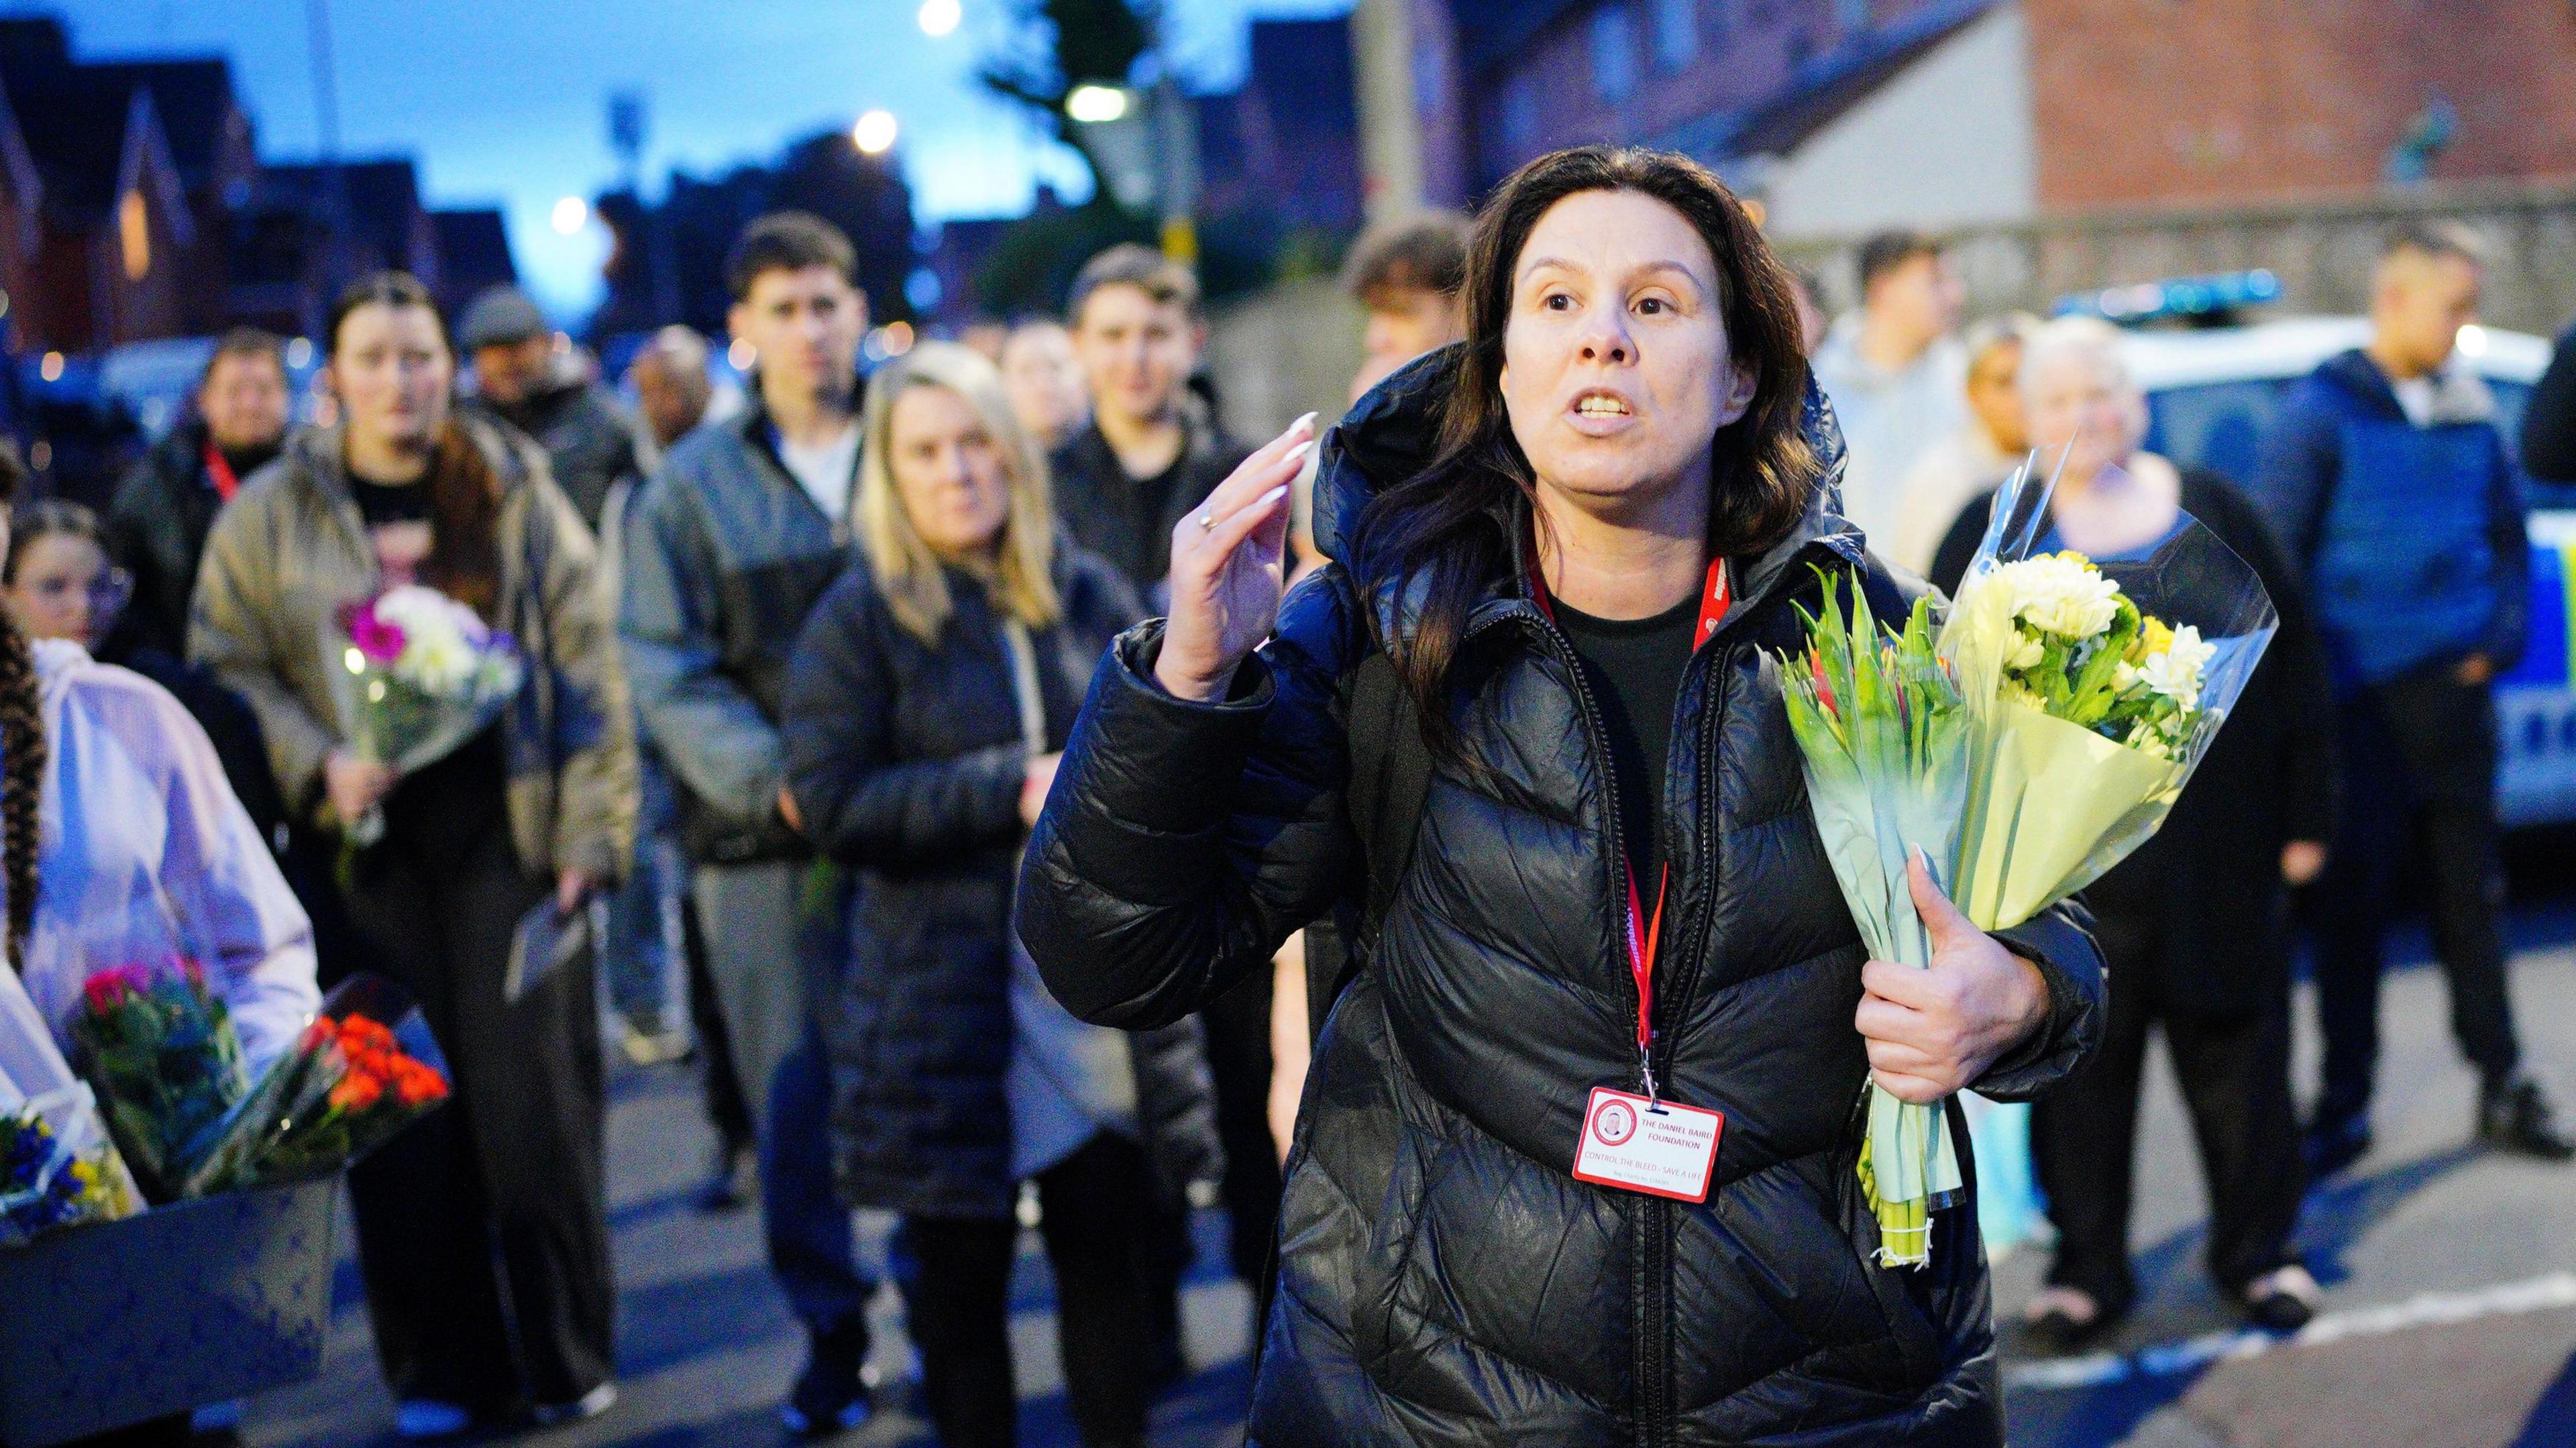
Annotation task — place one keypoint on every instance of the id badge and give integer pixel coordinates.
(1637, 1144)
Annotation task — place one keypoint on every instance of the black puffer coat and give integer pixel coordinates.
(1443, 1279)
(906, 762)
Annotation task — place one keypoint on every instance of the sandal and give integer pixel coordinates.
(2063, 1319)
(2283, 1300)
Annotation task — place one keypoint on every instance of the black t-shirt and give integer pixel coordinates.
(1634, 669)
(382, 504)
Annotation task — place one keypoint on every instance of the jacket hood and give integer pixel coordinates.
(1393, 433)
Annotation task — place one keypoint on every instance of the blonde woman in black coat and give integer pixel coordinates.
(926, 705)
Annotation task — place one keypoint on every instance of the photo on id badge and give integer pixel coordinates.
(1640, 1144)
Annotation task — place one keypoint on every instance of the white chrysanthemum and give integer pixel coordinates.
(2177, 671)
(2028, 650)
(2065, 596)
(2124, 677)
(440, 663)
(2148, 740)
(2014, 691)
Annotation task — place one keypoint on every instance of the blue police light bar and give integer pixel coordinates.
(2174, 297)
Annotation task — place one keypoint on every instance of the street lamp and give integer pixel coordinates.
(571, 214)
(939, 17)
(1095, 105)
(874, 134)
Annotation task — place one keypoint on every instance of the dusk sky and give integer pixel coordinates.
(505, 101)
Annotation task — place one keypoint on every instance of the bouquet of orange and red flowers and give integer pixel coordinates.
(363, 1070)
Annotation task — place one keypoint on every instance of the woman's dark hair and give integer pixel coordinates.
(1443, 534)
(464, 494)
(48, 518)
(22, 761)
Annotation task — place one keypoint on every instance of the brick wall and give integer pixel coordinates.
(2228, 100)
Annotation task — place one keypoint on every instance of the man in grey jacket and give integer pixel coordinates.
(727, 548)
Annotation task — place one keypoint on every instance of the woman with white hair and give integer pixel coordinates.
(927, 704)
(2194, 925)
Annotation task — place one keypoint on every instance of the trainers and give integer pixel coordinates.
(2333, 1142)
(832, 1395)
(424, 1420)
(580, 1410)
(2516, 1117)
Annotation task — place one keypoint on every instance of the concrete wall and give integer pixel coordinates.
(1290, 349)
(1946, 143)
(2323, 250)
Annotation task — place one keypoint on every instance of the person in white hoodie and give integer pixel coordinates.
(144, 849)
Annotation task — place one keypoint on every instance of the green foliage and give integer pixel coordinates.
(1056, 45)
(1031, 267)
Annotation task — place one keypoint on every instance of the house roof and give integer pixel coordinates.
(1825, 87)
(383, 196)
(195, 99)
(76, 134)
(473, 249)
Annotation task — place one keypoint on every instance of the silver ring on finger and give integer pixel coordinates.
(1207, 521)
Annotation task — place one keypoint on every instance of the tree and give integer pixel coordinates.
(1058, 45)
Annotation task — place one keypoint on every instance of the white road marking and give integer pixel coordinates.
(2433, 1309)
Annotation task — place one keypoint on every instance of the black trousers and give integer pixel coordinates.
(959, 1303)
(719, 1079)
(2419, 759)
(1238, 1053)
(2235, 1076)
(482, 1231)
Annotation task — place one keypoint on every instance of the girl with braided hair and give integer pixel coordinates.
(120, 831)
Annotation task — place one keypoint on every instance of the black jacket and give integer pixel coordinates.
(1127, 521)
(1443, 1278)
(156, 530)
(589, 441)
(2211, 878)
(906, 762)
(2549, 419)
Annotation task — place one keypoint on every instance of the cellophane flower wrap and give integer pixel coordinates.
(366, 1068)
(159, 1049)
(418, 674)
(57, 1166)
(2025, 748)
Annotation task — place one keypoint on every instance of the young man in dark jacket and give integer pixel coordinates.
(2388, 481)
(156, 528)
(727, 550)
(1151, 454)
(522, 379)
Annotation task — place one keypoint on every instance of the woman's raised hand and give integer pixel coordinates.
(1228, 563)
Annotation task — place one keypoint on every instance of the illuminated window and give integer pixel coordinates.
(134, 231)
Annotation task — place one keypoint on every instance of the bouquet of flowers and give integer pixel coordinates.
(2025, 748)
(419, 675)
(57, 1166)
(160, 1051)
(364, 1069)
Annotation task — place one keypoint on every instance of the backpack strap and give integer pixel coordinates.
(1389, 781)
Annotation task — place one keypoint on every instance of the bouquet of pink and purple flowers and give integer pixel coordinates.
(419, 675)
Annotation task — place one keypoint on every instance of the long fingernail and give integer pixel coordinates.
(1307, 422)
(1274, 495)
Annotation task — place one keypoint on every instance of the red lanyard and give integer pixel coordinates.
(221, 473)
(1645, 931)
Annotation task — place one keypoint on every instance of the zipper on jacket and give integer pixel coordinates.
(1650, 1367)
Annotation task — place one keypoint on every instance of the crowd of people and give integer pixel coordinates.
(944, 772)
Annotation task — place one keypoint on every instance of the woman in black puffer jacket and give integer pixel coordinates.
(924, 706)
(1526, 524)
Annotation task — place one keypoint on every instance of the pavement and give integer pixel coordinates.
(2450, 1316)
